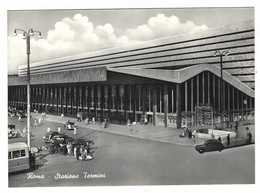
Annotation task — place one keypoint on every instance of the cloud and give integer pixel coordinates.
(79, 35)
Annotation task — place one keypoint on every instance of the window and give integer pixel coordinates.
(16, 154)
(22, 153)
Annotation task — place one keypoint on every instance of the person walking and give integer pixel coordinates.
(228, 139)
(59, 129)
(128, 124)
(249, 137)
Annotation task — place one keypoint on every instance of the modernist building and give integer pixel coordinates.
(162, 79)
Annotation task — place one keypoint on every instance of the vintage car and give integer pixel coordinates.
(48, 136)
(21, 113)
(65, 138)
(70, 125)
(210, 145)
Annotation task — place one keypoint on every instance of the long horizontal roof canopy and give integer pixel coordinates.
(181, 75)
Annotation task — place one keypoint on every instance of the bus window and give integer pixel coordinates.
(9, 155)
(16, 154)
(22, 153)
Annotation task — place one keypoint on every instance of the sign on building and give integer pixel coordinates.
(203, 114)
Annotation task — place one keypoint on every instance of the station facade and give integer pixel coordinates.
(162, 80)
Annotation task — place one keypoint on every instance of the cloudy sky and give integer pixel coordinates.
(69, 32)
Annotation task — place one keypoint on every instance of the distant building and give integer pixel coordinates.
(162, 80)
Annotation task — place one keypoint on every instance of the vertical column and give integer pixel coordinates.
(109, 100)
(191, 102)
(83, 102)
(61, 98)
(134, 103)
(154, 105)
(214, 91)
(102, 102)
(209, 83)
(71, 98)
(219, 96)
(203, 87)
(89, 101)
(77, 98)
(144, 98)
(165, 98)
(198, 90)
(117, 101)
(224, 96)
(67, 99)
(178, 105)
(125, 100)
(95, 100)
(58, 99)
(233, 98)
(186, 95)
(228, 101)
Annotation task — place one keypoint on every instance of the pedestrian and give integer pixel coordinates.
(75, 130)
(236, 125)
(39, 121)
(75, 152)
(59, 129)
(32, 160)
(219, 139)
(86, 121)
(69, 148)
(134, 124)
(19, 118)
(228, 139)
(35, 122)
(249, 137)
(93, 120)
(48, 129)
(62, 115)
(128, 124)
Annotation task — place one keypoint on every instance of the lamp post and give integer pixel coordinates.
(27, 35)
(221, 54)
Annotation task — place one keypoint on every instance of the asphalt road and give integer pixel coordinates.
(121, 160)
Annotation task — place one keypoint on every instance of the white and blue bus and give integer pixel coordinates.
(18, 157)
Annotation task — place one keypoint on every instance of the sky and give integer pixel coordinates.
(70, 32)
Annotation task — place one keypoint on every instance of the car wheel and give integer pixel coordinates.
(220, 150)
(201, 151)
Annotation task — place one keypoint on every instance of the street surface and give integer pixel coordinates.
(122, 160)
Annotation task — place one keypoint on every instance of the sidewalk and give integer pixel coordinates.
(147, 132)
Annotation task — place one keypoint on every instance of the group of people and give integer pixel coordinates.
(79, 148)
(188, 132)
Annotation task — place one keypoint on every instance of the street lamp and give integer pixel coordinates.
(27, 35)
(221, 54)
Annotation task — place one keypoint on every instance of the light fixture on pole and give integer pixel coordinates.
(27, 35)
(221, 54)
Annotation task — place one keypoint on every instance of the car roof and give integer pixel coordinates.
(213, 140)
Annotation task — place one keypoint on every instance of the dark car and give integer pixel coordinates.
(210, 145)
(48, 136)
(21, 113)
(65, 138)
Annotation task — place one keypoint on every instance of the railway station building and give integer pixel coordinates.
(161, 80)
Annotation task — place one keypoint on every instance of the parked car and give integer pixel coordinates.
(65, 138)
(210, 145)
(21, 113)
(48, 136)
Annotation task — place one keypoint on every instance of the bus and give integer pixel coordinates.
(18, 157)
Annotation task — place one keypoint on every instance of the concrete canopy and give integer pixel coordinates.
(183, 74)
